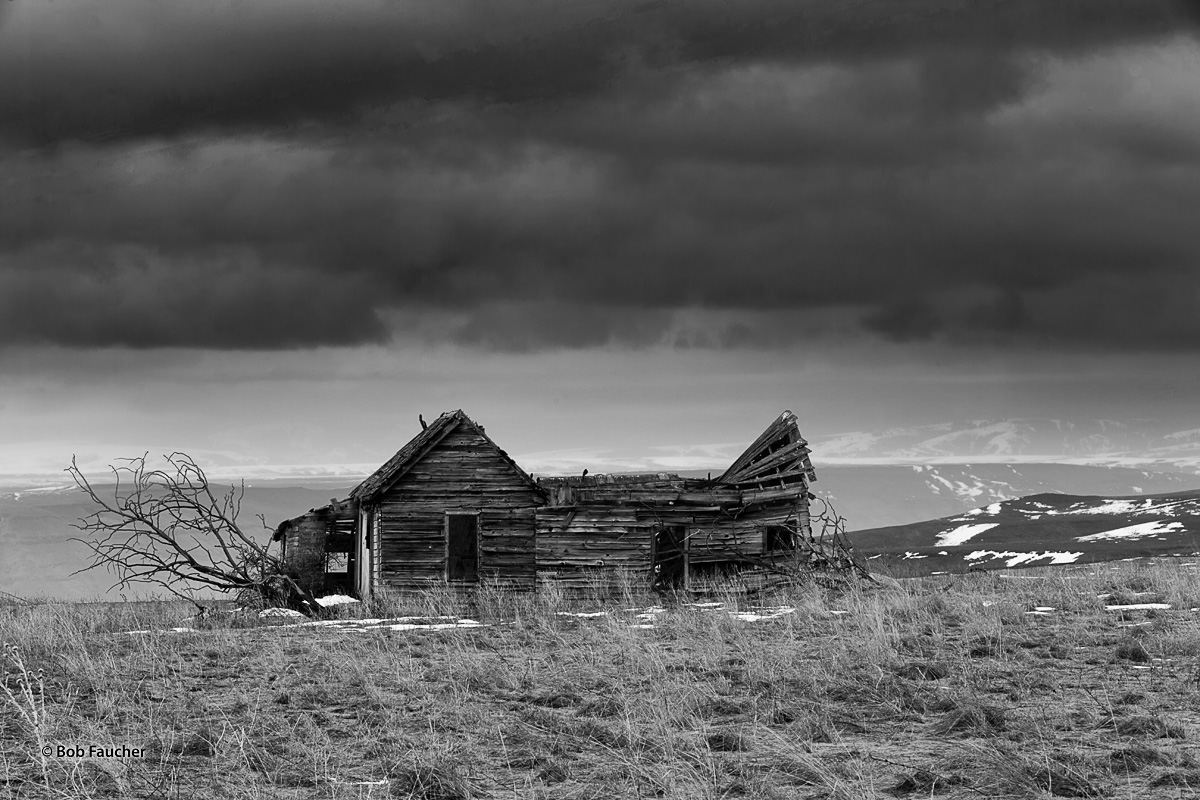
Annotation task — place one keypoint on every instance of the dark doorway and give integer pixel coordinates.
(670, 557)
(462, 547)
(339, 563)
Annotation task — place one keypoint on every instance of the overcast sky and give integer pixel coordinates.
(274, 232)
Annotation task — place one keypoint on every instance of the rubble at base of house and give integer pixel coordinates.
(452, 508)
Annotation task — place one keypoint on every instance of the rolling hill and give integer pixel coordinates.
(879, 495)
(1043, 529)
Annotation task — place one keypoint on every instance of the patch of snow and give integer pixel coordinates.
(1109, 507)
(1013, 559)
(1139, 607)
(1043, 608)
(582, 614)
(962, 533)
(909, 554)
(390, 623)
(1150, 505)
(760, 614)
(648, 613)
(1133, 531)
(435, 626)
(336, 600)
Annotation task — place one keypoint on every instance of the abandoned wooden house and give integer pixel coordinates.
(452, 507)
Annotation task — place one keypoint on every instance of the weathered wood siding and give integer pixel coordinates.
(309, 538)
(464, 472)
(717, 538)
(605, 524)
(573, 538)
(304, 551)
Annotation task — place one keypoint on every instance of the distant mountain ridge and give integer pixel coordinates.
(1016, 439)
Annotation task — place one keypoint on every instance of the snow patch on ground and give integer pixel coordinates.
(760, 614)
(645, 618)
(1133, 531)
(1149, 505)
(392, 624)
(963, 533)
(336, 600)
(1139, 607)
(1013, 559)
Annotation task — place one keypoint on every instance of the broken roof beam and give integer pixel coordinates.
(794, 455)
(797, 478)
(781, 435)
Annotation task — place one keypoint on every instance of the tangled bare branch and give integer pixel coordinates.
(168, 527)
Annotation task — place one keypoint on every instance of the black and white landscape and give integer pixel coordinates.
(277, 240)
(903, 492)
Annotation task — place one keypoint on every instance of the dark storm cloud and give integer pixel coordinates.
(100, 71)
(79, 296)
(519, 176)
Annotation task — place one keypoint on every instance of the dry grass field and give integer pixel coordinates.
(955, 687)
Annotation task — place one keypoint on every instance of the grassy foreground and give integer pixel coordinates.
(939, 686)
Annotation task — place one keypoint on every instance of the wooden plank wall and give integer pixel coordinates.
(462, 473)
(304, 551)
(592, 537)
(714, 539)
(573, 541)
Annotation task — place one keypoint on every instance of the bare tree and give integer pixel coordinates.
(169, 527)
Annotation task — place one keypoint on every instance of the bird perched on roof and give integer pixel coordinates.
(585, 472)
(421, 419)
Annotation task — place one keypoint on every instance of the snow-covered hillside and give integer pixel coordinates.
(878, 495)
(1045, 529)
